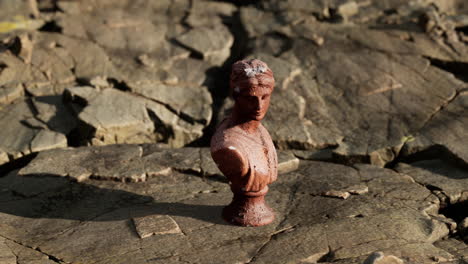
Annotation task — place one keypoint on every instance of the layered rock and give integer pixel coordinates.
(363, 90)
(34, 126)
(177, 207)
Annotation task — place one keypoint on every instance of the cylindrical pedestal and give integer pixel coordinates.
(249, 209)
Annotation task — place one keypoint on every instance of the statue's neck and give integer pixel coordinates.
(249, 126)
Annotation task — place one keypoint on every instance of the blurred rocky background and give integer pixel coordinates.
(107, 108)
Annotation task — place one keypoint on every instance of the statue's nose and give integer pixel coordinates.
(257, 103)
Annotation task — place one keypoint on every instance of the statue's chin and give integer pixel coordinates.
(252, 117)
(257, 118)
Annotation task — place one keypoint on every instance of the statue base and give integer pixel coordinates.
(249, 209)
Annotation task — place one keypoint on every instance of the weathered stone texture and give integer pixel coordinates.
(212, 43)
(386, 210)
(451, 181)
(385, 91)
(360, 85)
(33, 126)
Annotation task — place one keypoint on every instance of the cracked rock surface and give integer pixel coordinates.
(107, 108)
(175, 203)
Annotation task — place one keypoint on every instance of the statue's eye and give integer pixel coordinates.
(265, 96)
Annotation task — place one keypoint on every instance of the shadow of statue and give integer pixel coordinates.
(53, 197)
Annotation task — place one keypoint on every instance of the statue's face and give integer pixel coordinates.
(253, 103)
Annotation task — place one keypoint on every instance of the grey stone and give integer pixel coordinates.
(26, 255)
(378, 94)
(212, 43)
(155, 225)
(451, 181)
(115, 29)
(141, 120)
(268, 20)
(24, 47)
(173, 129)
(348, 9)
(48, 89)
(48, 61)
(11, 92)
(87, 65)
(6, 254)
(117, 117)
(184, 71)
(356, 81)
(446, 127)
(15, 138)
(401, 187)
(379, 257)
(131, 71)
(161, 116)
(31, 186)
(337, 194)
(85, 162)
(301, 5)
(321, 154)
(358, 189)
(463, 227)
(287, 162)
(208, 166)
(381, 150)
(305, 244)
(69, 7)
(9, 9)
(208, 13)
(52, 111)
(458, 248)
(183, 159)
(99, 82)
(145, 60)
(309, 227)
(194, 102)
(3, 157)
(422, 44)
(46, 139)
(167, 53)
(15, 71)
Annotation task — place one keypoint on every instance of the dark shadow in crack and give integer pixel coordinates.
(53, 197)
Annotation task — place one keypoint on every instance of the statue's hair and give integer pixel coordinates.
(247, 73)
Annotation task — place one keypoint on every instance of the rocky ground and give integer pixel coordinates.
(107, 108)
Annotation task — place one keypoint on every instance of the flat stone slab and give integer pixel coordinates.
(32, 126)
(445, 129)
(137, 162)
(212, 43)
(451, 181)
(155, 225)
(110, 116)
(176, 215)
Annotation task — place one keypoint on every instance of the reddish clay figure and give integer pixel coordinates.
(242, 148)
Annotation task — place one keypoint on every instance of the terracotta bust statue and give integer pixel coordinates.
(242, 148)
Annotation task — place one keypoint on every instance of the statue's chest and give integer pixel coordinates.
(261, 154)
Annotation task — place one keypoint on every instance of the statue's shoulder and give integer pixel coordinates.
(227, 137)
(228, 152)
(230, 160)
